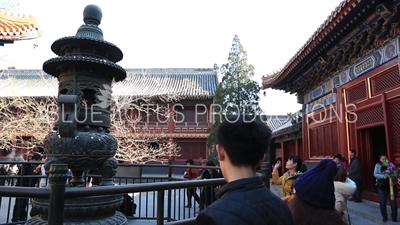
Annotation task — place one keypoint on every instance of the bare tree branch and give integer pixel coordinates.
(25, 121)
(23, 117)
(137, 142)
(130, 123)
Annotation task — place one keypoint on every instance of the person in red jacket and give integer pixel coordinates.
(340, 160)
(191, 173)
(344, 163)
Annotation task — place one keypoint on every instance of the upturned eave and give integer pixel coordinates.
(14, 27)
(320, 35)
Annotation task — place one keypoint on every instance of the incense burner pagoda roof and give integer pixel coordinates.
(342, 11)
(17, 27)
(185, 83)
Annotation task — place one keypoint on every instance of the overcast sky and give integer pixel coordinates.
(183, 33)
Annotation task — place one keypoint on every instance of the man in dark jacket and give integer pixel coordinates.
(241, 147)
(21, 204)
(354, 173)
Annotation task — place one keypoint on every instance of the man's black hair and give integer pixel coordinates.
(37, 157)
(353, 151)
(338, 156)
(303, 168)
(382, 154)
(244, 140)
(190, 161)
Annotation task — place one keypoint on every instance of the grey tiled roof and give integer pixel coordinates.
(276, 121)
(285, 125)
(187, 83)
(288, 122)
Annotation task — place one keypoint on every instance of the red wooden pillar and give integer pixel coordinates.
(283, 157)
(304, 132)
(133, 119)
(210, 124)
(210, 117)
(301, 150)
(132, 115)
(171, 123)
(342, 122)
(386, 119)
(170, 155)
(296, 147)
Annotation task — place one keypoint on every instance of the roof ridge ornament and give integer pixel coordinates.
(92, 16)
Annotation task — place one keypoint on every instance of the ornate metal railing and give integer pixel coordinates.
(155, 197)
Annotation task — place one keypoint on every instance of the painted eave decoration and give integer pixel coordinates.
(336, 16)
(370, 39)
(14, 27)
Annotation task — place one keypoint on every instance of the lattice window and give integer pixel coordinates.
(313, 142)
(332, 112)
(335, 140)
(396, 161)
(394, 119)
(357, 93)
(327, 114)
(370, 116)
(394, 114)
(320, 140)
(314, 118)
(327, 149)
(384, 82)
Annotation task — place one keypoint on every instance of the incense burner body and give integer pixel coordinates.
(85, 68)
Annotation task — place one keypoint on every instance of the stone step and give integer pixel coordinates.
(357, 220)
(369, 210)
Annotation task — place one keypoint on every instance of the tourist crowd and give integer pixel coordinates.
(309, 197)
(36, 167)
(314, 197)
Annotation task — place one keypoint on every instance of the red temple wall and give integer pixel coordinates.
(321, 134)
(370, 101)
(375, 100)
(289, 148)
(300, 150)
(192, 149)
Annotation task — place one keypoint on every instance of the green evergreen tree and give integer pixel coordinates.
(237, 94)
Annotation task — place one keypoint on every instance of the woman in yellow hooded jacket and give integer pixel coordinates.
(294, 166)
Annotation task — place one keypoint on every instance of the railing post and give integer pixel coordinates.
(57, 182)
(169, 203)
(265, 168)
(160, 207)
